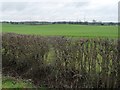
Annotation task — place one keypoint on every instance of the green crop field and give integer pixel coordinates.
(63, 30)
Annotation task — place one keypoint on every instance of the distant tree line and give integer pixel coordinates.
(62, 22)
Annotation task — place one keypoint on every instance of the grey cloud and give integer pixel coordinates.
(10, 6)
(78, 4)
(52, 11)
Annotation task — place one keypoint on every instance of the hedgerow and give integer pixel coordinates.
(75, 63)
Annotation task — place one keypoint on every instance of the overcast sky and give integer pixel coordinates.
(59, 10)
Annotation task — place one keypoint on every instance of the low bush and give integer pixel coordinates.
(75, 63)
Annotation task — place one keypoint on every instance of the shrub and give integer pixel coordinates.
(75, 63)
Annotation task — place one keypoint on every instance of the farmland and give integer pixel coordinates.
(90, 61)
(64, 30)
